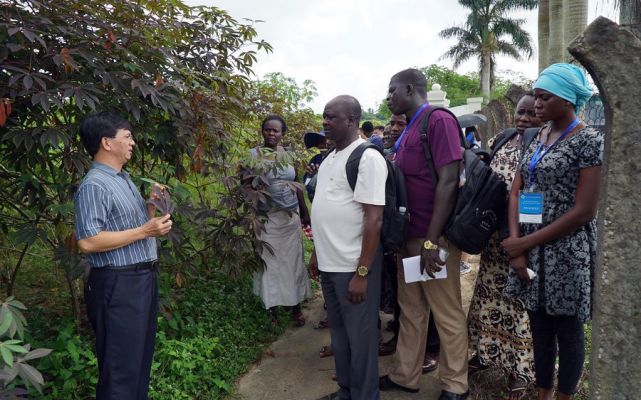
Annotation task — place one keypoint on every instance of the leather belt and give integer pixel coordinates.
(128, 268)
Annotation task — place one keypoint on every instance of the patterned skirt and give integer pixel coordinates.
(499, 327)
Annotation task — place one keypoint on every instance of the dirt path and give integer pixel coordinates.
(291, 369)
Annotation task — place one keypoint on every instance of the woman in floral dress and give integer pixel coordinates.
(555, 196)
(498, 325)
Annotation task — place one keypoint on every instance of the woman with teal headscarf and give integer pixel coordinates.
(553, 230)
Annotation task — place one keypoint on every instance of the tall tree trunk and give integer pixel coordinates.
(556, 46)
(576, 20)
(485, 75)
(630, 12)
(544, 33)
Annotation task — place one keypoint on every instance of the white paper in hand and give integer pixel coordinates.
(412, 269)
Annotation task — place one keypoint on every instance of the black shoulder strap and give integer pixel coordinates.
(500, 141)
(424, 138)
(528, 137)
(354, 160)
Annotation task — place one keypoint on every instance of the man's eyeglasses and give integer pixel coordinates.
(127, 137)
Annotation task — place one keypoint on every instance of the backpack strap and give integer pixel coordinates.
(501, 140)
(528, 137)
(354, 160)
(423, 130)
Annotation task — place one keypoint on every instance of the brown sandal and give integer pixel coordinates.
(516, 388)
(297, 316)
(326, 351)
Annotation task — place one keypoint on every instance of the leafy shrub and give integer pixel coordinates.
(14, 353)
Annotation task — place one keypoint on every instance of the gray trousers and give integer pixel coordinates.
(354, 332)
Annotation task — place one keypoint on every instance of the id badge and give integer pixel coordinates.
(530, 207)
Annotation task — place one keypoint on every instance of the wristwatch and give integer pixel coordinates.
(362, 271)
(428, 245)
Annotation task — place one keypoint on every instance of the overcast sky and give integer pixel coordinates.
(355, 46)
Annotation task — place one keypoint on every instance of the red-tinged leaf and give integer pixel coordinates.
(27, 82)
(15, 78)
(13, 31)
(14, 47)
(29, 35)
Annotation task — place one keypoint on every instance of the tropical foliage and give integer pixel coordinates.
(183, 77)
(487, 33)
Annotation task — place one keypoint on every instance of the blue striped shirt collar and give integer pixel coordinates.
(108, 169)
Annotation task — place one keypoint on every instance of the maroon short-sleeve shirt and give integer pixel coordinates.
(445, 143)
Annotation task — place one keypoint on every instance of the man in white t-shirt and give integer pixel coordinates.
(347, 227)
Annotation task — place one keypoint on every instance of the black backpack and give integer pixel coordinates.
(480, 202)
(395, 212)
(501, 140)
(507, 135)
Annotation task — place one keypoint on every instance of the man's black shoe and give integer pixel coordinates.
(445, 395)
(385, 383)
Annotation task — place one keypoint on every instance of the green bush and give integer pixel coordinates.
(207, 337)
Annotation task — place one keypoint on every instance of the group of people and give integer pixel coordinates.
(533, 291)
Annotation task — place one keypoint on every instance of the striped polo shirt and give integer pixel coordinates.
(107, 200)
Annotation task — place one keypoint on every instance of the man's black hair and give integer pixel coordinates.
(414, 77)
(96, 126)
(367, 128)
(274, 117)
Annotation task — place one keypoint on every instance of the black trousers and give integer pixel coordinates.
(122, 307)
(550, 332)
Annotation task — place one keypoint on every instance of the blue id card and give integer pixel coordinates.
(530, 207)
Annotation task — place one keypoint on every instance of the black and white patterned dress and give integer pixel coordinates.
(498, 324)
(565, 267)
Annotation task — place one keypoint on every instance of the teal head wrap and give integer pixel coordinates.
(566, 81)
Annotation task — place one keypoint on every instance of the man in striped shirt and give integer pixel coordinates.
(117, 230)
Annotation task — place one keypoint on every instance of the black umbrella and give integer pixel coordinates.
(467, 120)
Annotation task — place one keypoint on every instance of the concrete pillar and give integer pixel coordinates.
(612, 55)
(437, 97)
(474, 104)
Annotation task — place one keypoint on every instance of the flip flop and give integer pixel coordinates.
(326, 351)
(322, 324)
(516, 389)
(299, 319)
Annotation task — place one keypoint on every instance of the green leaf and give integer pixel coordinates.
(7, 356)
(6, 323)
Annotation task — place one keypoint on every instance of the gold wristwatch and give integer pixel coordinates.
(428, 245)
(362, 271)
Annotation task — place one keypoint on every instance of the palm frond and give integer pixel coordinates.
(503, 7)
(508, 49)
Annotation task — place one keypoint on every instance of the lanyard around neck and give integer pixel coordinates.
(541, 151)
(407, 128)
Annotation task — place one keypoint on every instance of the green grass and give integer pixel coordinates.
(208, 337)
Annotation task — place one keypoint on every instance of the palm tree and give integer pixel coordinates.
(544, 33)
(487, 33)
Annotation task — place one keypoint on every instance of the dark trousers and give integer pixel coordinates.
(433, 340)
(566, 333)
(354, 332)
(122, 308)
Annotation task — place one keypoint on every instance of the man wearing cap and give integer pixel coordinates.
(118, 231)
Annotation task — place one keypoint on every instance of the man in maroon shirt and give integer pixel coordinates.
(430, 205)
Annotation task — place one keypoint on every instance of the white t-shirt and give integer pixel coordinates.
(337, 211)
